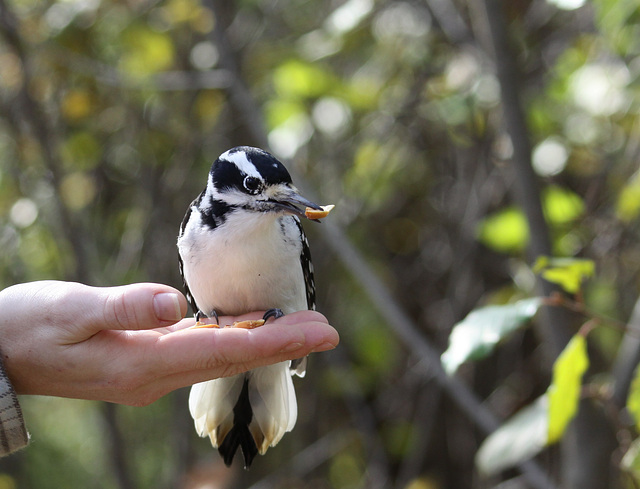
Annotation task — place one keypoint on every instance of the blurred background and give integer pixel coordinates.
(458, 139)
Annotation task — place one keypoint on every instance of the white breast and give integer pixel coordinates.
(251, 265)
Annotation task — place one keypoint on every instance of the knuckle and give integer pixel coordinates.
(216, 357)
(118, 310)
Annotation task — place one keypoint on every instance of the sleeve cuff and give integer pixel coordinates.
(13, 432)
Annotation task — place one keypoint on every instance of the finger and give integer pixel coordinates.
(289, 337)
(293, 318)
(135, 306)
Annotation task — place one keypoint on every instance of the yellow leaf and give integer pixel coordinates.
(564, 391)
(568, 273)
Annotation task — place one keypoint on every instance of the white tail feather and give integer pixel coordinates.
(211, 405)
(272, 398)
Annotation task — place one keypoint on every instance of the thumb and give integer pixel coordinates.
(140, 306)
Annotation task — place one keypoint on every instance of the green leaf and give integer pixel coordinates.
(505, 231)
(562, 205)
(146, 51)
(633, 400)
(280, 111)
(518, 439)
(476, 335)
(297, 79)
(628, 204)
(568, 273)
(564, 391)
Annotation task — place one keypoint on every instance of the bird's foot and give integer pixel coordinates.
(274, 313)
(203, 321)
(255, 323)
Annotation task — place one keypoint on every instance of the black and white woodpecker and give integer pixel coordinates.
(242, 249)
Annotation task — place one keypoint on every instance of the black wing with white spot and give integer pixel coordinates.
(307, 268)
(299, 366)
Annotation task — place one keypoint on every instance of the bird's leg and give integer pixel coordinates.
(200, 324)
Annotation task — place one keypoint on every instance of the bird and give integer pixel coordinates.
(242, 248)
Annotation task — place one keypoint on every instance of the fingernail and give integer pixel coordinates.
(324, 347)
(167, 306)
(291, 347)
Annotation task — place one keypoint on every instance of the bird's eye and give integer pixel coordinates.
(251, 184)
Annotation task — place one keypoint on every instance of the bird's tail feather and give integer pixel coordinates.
(273, 400)
(211, 405)
(251, 411)
(240, 436)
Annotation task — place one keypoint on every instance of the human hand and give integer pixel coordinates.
(129, 345)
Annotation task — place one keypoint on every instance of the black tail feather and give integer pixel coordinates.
(240, 436)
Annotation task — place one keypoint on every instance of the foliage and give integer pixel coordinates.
(477, 334)
(544, 421)
(569, 274)
(519, 438)
(112, 111)
(564, 391)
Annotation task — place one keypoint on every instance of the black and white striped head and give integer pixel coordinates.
(254, 180)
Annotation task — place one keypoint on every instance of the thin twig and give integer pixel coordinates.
(558, 299)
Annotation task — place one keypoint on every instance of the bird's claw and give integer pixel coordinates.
(246, 324)
(200, 324)
(274, 313)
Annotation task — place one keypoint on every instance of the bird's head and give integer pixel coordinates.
(254, 180)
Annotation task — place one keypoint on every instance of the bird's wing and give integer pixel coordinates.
(299, 365)
(307, 268)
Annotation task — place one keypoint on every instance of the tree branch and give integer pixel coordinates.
(589, 442)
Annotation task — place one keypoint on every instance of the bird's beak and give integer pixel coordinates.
(289, 199)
